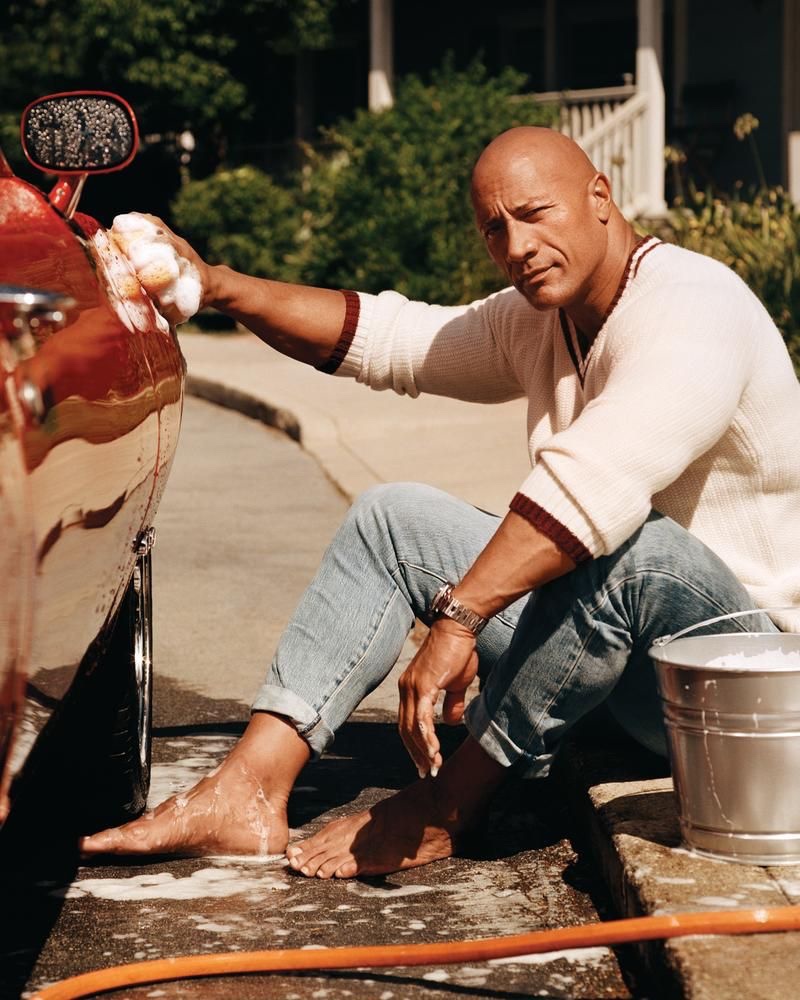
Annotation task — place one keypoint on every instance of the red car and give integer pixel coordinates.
(90, 408)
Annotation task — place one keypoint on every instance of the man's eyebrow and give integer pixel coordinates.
(487, 220)
(530, 204)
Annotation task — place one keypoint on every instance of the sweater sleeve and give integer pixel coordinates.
(412, 347)
(678, 361)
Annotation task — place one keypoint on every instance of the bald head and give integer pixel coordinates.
(552, 152)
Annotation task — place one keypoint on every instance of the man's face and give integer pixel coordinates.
(543, 229)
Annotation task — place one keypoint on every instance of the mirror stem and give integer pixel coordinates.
(67, 192)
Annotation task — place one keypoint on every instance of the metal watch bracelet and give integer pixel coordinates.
(444, 603)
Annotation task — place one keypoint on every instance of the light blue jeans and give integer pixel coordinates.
(545, 661)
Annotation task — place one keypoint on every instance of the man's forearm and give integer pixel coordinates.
(517, 560)
(302, 322)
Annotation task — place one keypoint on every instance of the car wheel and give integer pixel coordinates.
(125, 773)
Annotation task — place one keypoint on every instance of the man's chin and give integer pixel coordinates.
(541, 298)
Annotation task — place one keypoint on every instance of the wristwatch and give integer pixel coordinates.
(444, 603)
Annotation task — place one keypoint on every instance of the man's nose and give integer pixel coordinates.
(522, 241)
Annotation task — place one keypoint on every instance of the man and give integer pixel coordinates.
(665, 489)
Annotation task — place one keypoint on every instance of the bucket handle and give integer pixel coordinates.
(664, 639)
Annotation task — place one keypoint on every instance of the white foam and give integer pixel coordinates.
(169, 278)
(585, 956)
(206, 882)
(763, 659)
(182, 774)
(561, 981)
(373, 892)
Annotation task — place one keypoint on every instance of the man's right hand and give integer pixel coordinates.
(445, 662)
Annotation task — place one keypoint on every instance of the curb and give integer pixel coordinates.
(246, 404)
(627, 821)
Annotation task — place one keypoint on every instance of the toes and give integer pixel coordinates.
(98, 843)
(129, 839)
(348, 870)
(308, 857)
(296, 855)
(331, 867)
(311, 865)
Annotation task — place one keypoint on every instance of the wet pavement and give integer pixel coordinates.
(520, 874)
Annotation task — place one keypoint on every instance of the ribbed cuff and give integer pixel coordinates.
(352, 310)
(544, 502)
(549, 526)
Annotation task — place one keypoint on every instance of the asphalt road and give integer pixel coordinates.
(244, 521)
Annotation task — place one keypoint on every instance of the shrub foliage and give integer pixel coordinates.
(389, 206)
(384, 203)
(242, 218)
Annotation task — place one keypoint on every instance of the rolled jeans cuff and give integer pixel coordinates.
(309, 724)
(497, 744)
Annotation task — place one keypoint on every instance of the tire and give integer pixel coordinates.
(124, 775)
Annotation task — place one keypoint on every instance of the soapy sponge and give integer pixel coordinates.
(171, 280)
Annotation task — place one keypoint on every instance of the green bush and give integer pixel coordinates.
(387, 206)
(241, 218)
(759, 237)
(383, 204)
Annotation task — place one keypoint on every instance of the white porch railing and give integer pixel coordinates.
(580, 110)
(613, 126)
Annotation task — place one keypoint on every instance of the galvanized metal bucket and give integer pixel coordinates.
(732, 711)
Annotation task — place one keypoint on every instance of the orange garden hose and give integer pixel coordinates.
(781, 918)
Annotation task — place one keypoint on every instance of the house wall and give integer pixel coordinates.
(596, 42)
(734, 65)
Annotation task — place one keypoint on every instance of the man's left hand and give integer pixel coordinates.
(446, 661)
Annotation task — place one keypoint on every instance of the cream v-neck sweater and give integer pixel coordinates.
(686, 403)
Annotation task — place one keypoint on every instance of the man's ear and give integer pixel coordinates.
(600, 193)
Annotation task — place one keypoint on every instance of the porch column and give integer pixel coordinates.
(649, 81)
(381, 25)
(791, 99)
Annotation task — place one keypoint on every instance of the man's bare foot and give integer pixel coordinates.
(227, 812)
(240, 808)
(415, 826)
(403, 831)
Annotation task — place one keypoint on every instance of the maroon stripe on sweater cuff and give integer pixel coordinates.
(549, 526)
(352, 309)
